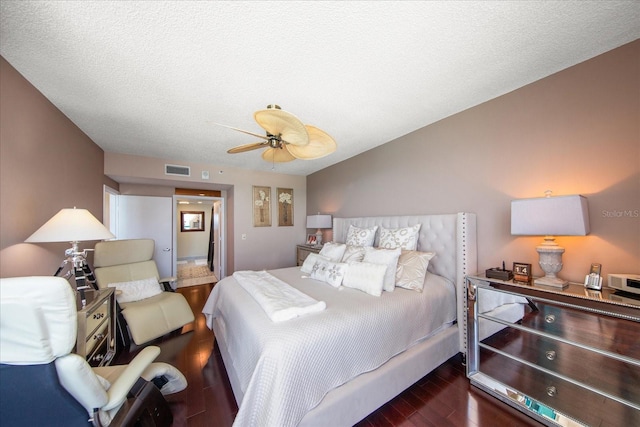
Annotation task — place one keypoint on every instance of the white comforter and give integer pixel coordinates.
(286, 368)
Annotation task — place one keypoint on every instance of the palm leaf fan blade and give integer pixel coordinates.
(247, 147)
(320, 144)
(282, 124)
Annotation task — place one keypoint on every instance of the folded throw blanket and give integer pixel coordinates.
(279, 300)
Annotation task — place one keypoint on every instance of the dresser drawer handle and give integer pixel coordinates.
(98, 337)
(552, 391)
(551, 355)
(549, 318)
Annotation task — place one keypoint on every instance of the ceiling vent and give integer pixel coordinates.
(177, 170)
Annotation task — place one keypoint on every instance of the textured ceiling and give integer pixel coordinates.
(152, 78)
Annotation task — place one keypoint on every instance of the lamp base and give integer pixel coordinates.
(551, 281)
(550, 260)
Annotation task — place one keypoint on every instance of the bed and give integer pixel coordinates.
(282, 373)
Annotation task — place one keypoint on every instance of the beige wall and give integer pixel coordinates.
(46, 164)
(575, 132)
(264, 247)
(194, 244)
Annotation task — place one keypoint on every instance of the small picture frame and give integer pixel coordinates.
(312, 239)
(522, 272)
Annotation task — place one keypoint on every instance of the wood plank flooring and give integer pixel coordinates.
(442, 398)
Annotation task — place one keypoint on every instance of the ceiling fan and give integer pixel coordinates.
(287, 137)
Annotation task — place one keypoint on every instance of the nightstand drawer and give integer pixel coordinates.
(96, 337)
(557, 394)
(97, 317)
(594, 330)
(615, 377)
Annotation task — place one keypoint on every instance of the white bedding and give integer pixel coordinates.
(276, 298)
(286, 368)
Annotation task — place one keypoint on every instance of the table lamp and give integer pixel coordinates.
(73, 225)
(549, 217)
(319, 221)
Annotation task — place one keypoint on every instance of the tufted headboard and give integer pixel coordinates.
(451, 236)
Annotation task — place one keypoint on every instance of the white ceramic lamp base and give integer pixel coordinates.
(550, 260)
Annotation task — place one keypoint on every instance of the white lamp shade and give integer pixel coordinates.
(550, 216)
(71, 225)
(319, 221)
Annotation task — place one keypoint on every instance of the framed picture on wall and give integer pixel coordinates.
(261, 206)
(285, 206)
(191, 221)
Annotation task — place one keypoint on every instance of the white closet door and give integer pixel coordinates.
(148, 217)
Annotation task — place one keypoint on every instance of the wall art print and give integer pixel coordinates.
(285, 206)
(261, 206)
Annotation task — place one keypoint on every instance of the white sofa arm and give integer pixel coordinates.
(119, 389)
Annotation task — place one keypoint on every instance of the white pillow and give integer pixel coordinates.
(310, 260)
(136, 290)
(330, 272)
(365, 277)
(333, 251)
(405, 238)
(388, 257)
(357, 236)
(412, 269)
(353, 254)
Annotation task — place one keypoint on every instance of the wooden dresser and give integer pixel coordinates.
(572, 359)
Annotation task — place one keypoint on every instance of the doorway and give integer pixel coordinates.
(199, 253)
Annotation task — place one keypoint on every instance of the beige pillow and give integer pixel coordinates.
(412, 269)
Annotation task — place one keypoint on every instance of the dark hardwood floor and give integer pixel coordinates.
(442, 398)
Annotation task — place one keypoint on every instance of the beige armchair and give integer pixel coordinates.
(44, 383)
(129, 265)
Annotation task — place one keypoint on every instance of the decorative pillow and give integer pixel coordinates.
(136, 289)
(357, 236)
(309, 262)
(333, 251)
(365, 277)
(388, 257)
(412, 269)
(405, 238)
(331, 272)
(353, 254)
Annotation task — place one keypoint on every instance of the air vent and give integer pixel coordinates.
(177, 170)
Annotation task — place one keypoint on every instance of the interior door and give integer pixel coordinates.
(149, 217)
(217, 248)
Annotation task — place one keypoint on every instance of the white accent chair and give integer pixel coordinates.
(43, 383)
(123, 261)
